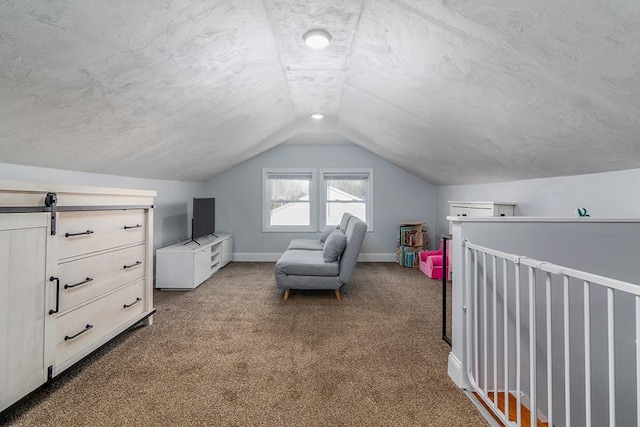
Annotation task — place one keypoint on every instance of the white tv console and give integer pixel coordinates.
(185, 265)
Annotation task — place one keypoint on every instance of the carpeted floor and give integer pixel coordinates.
(234, 353)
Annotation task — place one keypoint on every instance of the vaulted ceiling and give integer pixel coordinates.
(455, 91)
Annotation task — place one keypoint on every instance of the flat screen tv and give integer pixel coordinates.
(204, 217)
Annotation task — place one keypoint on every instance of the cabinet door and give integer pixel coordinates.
(23, 243)
(227, 251)
(202, 266)
(459, 211)
(504, 210)
(480, 211)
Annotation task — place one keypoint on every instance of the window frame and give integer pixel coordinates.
(322, 203)
(266, 200)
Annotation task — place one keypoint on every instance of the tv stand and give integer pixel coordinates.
(185, 265)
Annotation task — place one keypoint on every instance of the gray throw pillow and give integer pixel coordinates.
(326, 231)
(334, 246)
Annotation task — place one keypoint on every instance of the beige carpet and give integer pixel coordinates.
(233, 353)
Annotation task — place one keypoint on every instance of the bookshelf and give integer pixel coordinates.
(412, 238)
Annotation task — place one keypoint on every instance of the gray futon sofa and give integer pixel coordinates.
(325, 263)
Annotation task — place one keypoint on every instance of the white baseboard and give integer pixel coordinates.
(273, 257)
(377, 257)
(256, 257)
(454, 370)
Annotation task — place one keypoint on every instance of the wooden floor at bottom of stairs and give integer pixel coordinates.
(513, 405)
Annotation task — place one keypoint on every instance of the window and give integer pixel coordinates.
(289, 202)
(347, 190)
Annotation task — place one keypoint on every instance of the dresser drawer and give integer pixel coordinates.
(84, 232)
(86, 278)
(83, 327)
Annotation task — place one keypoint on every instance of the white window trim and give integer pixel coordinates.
(323, 194)
(313, 202)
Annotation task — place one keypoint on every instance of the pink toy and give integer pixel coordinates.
(431, 262)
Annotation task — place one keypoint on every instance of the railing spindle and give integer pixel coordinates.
(518, 351)
(567, 354)
(587, 356)
(467, 308)
(484, 322)
(637, 359)
(495, 329)
(476, 316)
(549, 351)
(532, 346)
(505, 315)
(612, 358)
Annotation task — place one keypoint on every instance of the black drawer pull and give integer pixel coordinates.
(78, 234)
(87, 280)
(133, 303)
(86, 328)
(129, 227)
(132, 265)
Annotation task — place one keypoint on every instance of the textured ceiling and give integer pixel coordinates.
(455, 91)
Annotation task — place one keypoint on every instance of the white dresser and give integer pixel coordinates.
(75, 271)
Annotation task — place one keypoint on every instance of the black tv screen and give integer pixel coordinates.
(204, 217)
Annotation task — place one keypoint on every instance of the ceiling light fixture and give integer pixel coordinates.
(317, 39)
(317, 116)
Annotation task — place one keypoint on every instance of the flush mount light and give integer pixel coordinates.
(317, 39)
(317, 116)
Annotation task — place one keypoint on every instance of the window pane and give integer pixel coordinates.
(345, 195)
(346, 189)
(335, 211)
(290, 213)
(290, 189)
(290, 201)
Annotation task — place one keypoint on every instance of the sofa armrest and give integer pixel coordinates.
(424, 254)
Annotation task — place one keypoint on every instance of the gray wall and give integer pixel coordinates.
(398, 196)
(172, 205)
(609, 194)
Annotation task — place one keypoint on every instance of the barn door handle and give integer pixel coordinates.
(57, 280)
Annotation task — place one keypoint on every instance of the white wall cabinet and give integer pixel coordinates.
(185, 265)
(74, 274)
(480, 209)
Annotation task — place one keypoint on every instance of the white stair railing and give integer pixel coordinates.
(549, 337)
